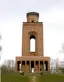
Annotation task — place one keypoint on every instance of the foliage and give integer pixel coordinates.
(4, 68)
(62, 69)
(41, 73)
(22, 72)
(8, 66)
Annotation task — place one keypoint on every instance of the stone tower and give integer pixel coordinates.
(32, 61)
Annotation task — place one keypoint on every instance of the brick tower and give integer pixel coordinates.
(32, 61)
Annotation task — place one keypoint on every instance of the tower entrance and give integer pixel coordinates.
(32, 66)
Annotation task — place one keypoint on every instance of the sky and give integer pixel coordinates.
(13, 14)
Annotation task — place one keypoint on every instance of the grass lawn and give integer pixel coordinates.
(16, 77)
(51, 78)
(13, 77)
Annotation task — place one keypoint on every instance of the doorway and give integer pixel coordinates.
(32, 66)
(19, 65)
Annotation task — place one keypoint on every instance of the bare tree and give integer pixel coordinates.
(0, 45)
(52, 65)
(8, 65)
(62, 48)
(0, 48)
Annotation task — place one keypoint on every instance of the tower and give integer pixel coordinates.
(32, 61)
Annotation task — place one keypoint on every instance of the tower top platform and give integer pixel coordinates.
(32, 17)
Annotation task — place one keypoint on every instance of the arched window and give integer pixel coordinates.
(32, 43)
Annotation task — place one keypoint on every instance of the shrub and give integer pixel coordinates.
(22, 72)
(41, 73)
(62, 69)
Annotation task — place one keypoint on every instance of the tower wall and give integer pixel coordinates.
(35, 29)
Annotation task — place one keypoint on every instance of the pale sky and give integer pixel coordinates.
(13, 13)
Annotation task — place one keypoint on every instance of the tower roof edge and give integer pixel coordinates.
(33, 13)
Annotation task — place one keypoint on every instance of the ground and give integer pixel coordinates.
(16, 77)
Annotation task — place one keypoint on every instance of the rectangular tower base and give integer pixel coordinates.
(32, 64)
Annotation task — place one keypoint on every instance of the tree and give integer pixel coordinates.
(8, 65)
(0, 47)
(52, 65)
(62, 48)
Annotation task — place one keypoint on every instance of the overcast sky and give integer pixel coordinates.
(13, 13)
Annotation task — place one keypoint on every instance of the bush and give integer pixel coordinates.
(22, 72)
(3, 68)
(62, 69)
(41, 73)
